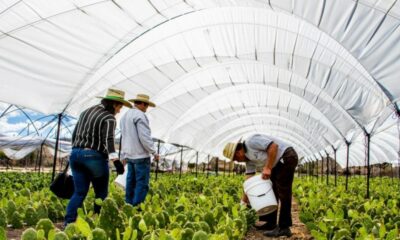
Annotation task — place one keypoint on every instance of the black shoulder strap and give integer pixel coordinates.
(66, 168)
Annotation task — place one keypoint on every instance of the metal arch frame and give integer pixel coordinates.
(185, 13)
(332, 102)
(250, 129)
(269, 111)
(237, 134)
(231, 89)
(228, 61)
(273, 128)
(232, 123)
(374, 82)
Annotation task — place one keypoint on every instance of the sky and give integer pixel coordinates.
(14, 123)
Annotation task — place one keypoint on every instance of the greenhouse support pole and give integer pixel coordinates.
(327, 168)
(322, 168)
(298, 170)
(391, 168)
(158, 153)
(204, 167)
(368, 136)
(37, 161)
(316, 162)
(197, 161)
(56, 146)
(208, 164)
(380, 170)
(347, 164)
(334, 151)
(216, 166)
(224, 167)
(180, 166)
(40, 157)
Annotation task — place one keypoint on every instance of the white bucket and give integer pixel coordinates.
(120, 180)
(260, 194)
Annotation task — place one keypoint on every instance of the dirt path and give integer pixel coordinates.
(15, 234)
(299, 230)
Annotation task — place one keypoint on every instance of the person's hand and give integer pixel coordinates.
(156, 157)
(266, 173)
(119, 167)
(244, 200)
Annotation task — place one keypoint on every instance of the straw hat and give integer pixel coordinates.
(118, 96)
(229, 150)
(143, 98)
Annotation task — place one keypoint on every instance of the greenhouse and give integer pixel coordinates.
(318, 75)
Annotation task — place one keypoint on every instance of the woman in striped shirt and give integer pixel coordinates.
(93, 146)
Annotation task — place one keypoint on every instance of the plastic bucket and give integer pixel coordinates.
(260, 194)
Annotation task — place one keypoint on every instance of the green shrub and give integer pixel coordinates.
(42, 212)
(128, 210)
(110, 219)
(3, 234)
(205, 227)
(99, 234)
(200, 235)
(29, 234)
(31, 217)
(11, 208)
(25, 192)
(61, 236)
(3, 218)
(72, 231)
(46, 225)
(52, 213)
(16, 220)
(187, 234)
(149, 219)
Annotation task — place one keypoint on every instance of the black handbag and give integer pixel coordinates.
(63, 184)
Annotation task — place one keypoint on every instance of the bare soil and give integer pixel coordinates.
(15, 234)
(299, 230)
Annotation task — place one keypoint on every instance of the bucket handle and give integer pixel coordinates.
(263, 194)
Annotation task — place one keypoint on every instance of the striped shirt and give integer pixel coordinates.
(95, 129)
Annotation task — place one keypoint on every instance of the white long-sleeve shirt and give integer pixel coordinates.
(136, 135)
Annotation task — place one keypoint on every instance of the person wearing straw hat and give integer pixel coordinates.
(92, 147)
(136, 147)
(278, 162)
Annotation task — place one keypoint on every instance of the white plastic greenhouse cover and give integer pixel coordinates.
(315, 73)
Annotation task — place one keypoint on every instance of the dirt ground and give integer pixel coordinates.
(299, 230)
(15, 234)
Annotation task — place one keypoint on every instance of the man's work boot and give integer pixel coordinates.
(265, 227)
(278, 232)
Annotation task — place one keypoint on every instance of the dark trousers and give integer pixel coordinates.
(88, 166)
(137, 180)
(282, 179)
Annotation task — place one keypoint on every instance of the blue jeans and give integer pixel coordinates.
(88, 166)
(137, 180)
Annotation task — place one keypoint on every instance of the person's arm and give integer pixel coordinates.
(144, 135)
(107, 132)
(272, 151)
